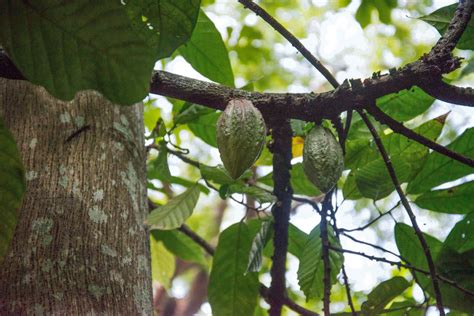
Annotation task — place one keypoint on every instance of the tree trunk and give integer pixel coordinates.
(80, 246)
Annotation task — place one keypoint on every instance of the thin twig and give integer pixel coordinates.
(399, 128)
(370, 223)
(197, 239)
(406, 204)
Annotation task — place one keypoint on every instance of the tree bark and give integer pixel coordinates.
(80, 246)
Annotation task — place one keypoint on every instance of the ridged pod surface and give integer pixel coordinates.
(240, 136)
(323, 160)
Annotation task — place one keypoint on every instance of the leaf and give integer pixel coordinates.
(163, 263)
(383, 294)
(296, 240)
(174, 213)
(258, 194)
(411, 251)
(373, 181)
(190, 112)
(297, 146)
(406, 104)
(311, 268)
(216, 174)
(169, 23)
(349, 189)
(461, 237)
(299, 183)
(12, 187)
(259, 242)
(204, 127)
(231, 291)
(440, 20)
(469, 69)
(180, 245)
(206, 52)
(364, 13)
(67, 47)
(158, 168)
(455, 200)
(439, 169)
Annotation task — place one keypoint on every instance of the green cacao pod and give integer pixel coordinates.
(240, 136)
(323, 160)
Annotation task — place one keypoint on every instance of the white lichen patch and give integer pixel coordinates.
(27, 279)
(58, 296)
(96, 291)
(115, 276)
(142, 262)
(42, 225)
(98, 195)
(47, 265)
(38, 310)
(141, 298)
(65, 117)
(119, 146)
(79, 121)
(75, 188)
(127, 260)
(106, 250)
(63, 181)
(124, 120)
(97, 215)
(131, 182)
(124, 130)
(103, 156)
(31, 175)
(33, 143)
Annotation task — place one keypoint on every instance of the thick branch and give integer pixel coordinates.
(406, 204)
(445, 92)
(326, 208)
(399, 128)
(281, 148)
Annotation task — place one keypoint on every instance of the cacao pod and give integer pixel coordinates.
(323, 160)
(240, 136)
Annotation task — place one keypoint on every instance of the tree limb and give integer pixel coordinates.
(445, 92)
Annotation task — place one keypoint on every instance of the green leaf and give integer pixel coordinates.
(364, 13)
(439, 169)
(383, 294)
(461, 237)
(163, 263)
(299, 183)
(232, 291)
(406, 104)
(206, 52)
(258, 244)
(169, 23)
(158, 168)
(180, 245)
(311, 268)
(190, 112)
(12, 187)
(296, 240)
(373, 180)
(174, 213)
(349, 189)
(412, 252)
(258, 194)
(68, 46)
(204, 127)
(455, 200)
(469, 69)
(215, 174)
(440, 20)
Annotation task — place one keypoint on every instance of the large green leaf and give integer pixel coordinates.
(461, 237)
(204, 127)
(158, 168)
(174, 213)
(440, 20)
(260, 195)
(258, 244)
(206, 52)
(232, 291)
(169, 23)
(311, 268)
(406, 104)
(180, 245)
(411, 251)
(439, 169)
(216, 174)
(69, 46)
(383, 294)
(163, 263)
(190, 112)
(12, 187)
(299, 182)
(296, 240)
(455, 200)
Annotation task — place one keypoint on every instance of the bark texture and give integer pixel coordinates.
(80, 246)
